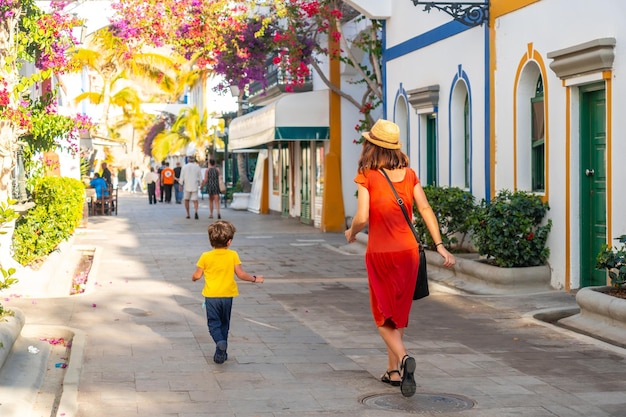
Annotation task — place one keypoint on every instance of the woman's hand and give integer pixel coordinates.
(349, 236)
(448, 258)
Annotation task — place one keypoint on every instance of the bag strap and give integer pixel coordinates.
(403, 208)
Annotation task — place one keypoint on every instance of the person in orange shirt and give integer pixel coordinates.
(392, 256)
(167, 179)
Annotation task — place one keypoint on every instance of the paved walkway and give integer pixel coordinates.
(302, 344)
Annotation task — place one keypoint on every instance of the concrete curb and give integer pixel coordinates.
(68, 404)
(479, 278)
(600, 314)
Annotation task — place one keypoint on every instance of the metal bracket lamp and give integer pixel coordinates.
(467, 13)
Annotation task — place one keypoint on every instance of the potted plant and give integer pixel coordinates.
(613, 259)
(603, 308)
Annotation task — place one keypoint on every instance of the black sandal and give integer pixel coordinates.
(408, 386)
(386, 378)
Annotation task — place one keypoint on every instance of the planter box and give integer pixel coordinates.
(472, 275)
(602, 315)
(240, 201)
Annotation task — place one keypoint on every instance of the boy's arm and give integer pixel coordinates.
(197, 274)
(243, 275)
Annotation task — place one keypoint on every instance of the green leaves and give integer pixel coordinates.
(57, 212)
(453, 208)
(508, 230)
(613, 259)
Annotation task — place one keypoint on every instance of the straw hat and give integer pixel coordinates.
(385, 134)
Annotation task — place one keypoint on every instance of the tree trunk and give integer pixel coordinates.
(6, 160)
(246, 185)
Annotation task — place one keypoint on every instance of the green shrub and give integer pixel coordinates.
(7, 215)
(453, 208)
(58, 211)
(613, 259)
(508, 230)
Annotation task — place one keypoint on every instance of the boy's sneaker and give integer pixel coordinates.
(220, 352)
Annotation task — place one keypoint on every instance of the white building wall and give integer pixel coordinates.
(543, 27)
(437, 60)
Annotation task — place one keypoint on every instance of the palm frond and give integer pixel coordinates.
(91, 96)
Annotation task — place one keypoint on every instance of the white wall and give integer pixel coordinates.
(559, 24)
(439, 63)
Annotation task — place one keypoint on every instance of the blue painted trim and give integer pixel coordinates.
(487, 117)
(421, 41)
(383, 64)
(460, 75)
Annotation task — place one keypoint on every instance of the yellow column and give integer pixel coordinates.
(333, 215)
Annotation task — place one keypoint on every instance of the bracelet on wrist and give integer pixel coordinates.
(254, 278)
(440, 243)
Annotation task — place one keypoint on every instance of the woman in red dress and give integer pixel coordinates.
(392, 256)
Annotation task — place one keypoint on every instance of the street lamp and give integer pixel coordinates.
(242, 104)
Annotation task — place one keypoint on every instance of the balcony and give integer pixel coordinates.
(275, 84)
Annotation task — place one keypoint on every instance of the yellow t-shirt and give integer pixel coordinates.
(219, 273)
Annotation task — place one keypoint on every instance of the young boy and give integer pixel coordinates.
(219, 267)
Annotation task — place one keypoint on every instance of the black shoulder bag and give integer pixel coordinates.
(421, 286)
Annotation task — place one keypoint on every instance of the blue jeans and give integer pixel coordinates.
(178, 192)
(218, 317)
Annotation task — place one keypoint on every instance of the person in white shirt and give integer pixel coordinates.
(190, 179)
(152, 179)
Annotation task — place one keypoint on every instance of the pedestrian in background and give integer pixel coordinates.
(137, 179)
(392, 255)
(219, 267)
(161, 192)
(211, 181)
(167, 182)
(106, 174)
(100, 185)
(190, 178)
(152, 181)
(178, 188)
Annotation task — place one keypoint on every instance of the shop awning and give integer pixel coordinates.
(296, 116)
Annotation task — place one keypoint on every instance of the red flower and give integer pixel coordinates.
(530, 236)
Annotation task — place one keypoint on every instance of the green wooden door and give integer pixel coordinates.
(431, 150)
(592, 184)
(305, 188)
(284, 184)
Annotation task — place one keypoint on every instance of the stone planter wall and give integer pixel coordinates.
(10, 329)
(471, 275)
(602, 315)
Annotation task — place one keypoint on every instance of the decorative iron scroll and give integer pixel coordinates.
(468, 13)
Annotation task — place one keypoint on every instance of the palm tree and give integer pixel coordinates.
(119, 70)
(190, 127)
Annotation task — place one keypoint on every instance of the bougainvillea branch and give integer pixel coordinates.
(30, 34)
(236, 39)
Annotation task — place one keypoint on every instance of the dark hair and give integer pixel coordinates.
(220, 232)
(211, 161)
(375, 157)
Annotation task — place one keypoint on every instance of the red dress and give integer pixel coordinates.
(392, 256)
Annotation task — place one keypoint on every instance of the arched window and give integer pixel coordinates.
(538, 154)
(468, 145)
(460, 137)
